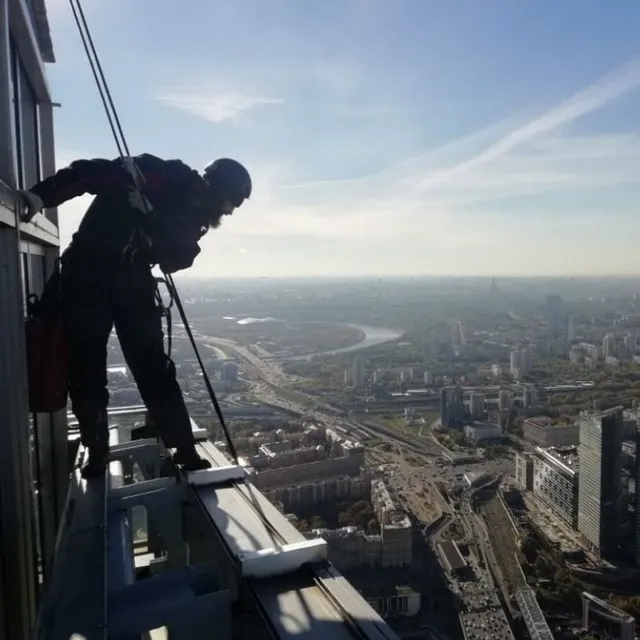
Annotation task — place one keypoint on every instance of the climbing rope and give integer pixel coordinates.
(138, 183)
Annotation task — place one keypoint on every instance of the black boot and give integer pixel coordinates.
(189, 460)
(96, 439)
(96, 462)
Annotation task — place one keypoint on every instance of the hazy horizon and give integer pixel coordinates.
(414, 276)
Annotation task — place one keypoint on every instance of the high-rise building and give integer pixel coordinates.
(524, 471)
(457, 333)
(514, 361)
(560, 330)
(555, 482)
(529, 396)
(476, 406)
(451, 406)
(505, 400)
(357, 372)
(229, 372)
(571, 331)
(33, 457)
(636, 469)
(520, 362)
(608, 345)
(600, 452)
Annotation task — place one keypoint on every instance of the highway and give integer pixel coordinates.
(274, 392)
(481, 615)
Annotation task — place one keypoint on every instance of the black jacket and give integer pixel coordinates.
(177, 193)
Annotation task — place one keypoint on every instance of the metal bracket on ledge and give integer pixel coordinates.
(133, 447)
(267, 563)
(216, 475)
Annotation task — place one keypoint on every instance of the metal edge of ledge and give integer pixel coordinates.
(251, 499)
(66, 609)
(316, 602)
(300, 596)
(257, 536)
(354, 607)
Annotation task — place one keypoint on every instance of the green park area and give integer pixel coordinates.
(400, 424)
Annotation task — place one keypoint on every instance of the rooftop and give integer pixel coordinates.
(564, 457)
(452, 555)
(543, 422)
(622, 616)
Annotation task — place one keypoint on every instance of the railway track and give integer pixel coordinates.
(503, 542)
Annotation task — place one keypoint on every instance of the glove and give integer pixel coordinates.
(31, 205)
(178, 258)
(139, 202)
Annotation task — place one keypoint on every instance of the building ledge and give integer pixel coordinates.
(217, 551)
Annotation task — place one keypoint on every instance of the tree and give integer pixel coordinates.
(542, 566)
(318, 523)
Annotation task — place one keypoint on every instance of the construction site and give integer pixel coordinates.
(411, 483)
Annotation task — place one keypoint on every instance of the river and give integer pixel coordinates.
(373, 336)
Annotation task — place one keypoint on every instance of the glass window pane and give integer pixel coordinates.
(29, 130)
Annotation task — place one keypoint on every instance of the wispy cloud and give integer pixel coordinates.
(612, 86)
(216, 107)
(506, 160)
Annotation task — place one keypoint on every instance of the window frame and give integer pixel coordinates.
(26, 88)
(21, 87)
(16, 113)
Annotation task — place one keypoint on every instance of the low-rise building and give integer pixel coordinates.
(482, 432)
(319, 454)
(339, 488)
(352, 548)
(476, 478)
(600, 617)
(403, 601)
(452, 559)
(545, 433)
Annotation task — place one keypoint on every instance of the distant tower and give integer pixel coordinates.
(357, 372)
(451, 406)
(476, 406)
(560, 326)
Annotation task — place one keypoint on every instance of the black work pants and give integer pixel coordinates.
(96, 296)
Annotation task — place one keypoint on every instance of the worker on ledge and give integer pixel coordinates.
(106, 280)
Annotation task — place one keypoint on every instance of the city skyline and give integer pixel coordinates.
(437, 141)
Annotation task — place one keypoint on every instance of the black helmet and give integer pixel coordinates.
(228, 180)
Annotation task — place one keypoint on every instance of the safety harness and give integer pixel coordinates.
(139, 239)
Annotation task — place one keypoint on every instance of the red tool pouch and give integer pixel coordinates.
(47, 350)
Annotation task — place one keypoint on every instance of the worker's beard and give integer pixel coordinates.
(215, 221)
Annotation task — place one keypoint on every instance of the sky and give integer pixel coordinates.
(384, 137)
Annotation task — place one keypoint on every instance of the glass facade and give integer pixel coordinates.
(34, 468)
